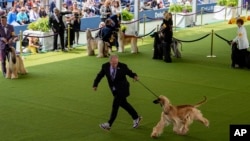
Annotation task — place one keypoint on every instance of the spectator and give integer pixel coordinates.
(29, 4)
(87, 13)
(127, 7)
(34, 14)
(52, 5)
(22, 17)
(76, 22)
(12, 15)
(42, 12)
(146, 6)
(64, 7)
(105, 10)
(68, 2)
(34, 45)
(116, 8)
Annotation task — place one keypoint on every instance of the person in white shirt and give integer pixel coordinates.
(34, 14)
(242, 45)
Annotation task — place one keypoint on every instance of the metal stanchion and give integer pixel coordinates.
(212, 42)
(68, 30)
(225, 14)
(144, 24)
(20, 44)
(202, 9)
(175, 22)
(246, 10)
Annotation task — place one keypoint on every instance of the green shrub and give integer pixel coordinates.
(42, 24)
(127, 16)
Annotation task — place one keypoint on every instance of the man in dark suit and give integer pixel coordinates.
(7, 37)
(57, 25)
(115, 73)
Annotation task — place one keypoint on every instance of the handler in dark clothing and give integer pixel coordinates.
(116, 25)
(115, 73)
(167, 29)
(58, 27)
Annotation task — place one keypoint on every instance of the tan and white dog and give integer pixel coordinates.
(124, 40)
(180, 116)
(96, 43)
(15, 65)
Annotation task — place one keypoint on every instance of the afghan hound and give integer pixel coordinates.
(15, 64)
(96, 43)
(180, 116)
(125, 40)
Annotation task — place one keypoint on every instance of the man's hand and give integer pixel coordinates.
(136, 78)
(94, 88)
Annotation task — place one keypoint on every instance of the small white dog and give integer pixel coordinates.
(180, 116)
(15, 64)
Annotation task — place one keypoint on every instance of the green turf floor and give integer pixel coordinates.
(55, 100)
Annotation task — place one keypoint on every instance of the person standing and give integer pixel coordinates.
(116, 73)
(7, 37)
(167, 30)
(242, 41)
(57, 25)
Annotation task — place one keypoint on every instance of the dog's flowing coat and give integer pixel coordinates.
(125, 40)
(15, 65)
(180, 116)
(93, 43)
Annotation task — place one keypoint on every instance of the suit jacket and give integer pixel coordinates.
(9, 35)
(57, 26)
(120, 83)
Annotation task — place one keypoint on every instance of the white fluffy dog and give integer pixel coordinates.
(180, 116)
(15, 65)
(125, 40)
(96, 43)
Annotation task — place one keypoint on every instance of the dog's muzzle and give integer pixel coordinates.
(157, 101)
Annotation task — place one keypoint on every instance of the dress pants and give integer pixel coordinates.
(121, 101)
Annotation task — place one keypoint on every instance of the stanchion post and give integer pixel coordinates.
(246, 9)
(202, 9)
(225, 13)
(175, 21)
(68, 30)
(20, 44)
(144, 24)
(157, 28)
(212, 42)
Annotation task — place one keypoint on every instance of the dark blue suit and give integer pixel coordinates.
(119, 87)
(8, 36)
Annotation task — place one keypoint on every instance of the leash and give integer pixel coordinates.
(148, 89)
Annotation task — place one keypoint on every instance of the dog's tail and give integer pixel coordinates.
(200, 103)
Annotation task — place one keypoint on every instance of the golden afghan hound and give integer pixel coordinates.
(180, 116)
(15, 65)
(96, 43)
(125, 40)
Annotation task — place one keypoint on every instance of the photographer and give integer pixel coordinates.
(34, 46)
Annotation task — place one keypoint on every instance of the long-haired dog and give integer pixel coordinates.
(96, 43)
(124, 40)
(15, 64)
(180, 116)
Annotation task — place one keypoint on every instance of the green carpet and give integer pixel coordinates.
(55, 100)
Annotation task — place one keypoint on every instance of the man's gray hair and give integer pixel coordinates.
(113, 56)
(54, 9)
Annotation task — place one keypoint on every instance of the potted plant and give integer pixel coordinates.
(127, 22)
(40, 28)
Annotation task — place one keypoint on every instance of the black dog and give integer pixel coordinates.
(158, 49)
(239, 57)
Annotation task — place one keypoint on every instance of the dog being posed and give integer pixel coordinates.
(125, 40)
(96, 43)
(15, 64)
(180, 116)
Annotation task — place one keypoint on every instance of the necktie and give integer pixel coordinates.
(113, 73)
(5, 30)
